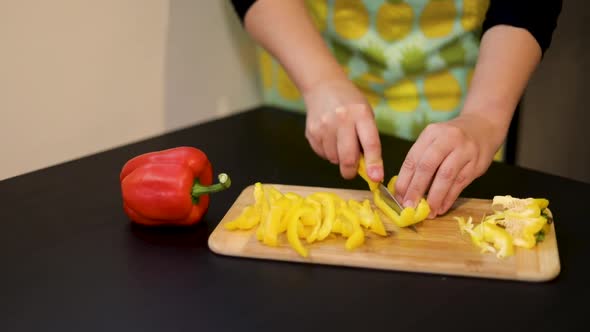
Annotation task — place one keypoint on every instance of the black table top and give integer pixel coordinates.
(71, 261)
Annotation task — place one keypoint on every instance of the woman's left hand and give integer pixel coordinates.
(445, 158)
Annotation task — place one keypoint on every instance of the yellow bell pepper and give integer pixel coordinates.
(362, 171)
(391, 184)
(409, 215)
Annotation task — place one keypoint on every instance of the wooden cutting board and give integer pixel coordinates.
(437, 248)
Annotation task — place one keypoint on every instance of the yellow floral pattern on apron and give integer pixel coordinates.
(412, 59)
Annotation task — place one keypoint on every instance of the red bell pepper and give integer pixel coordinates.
(169, 187)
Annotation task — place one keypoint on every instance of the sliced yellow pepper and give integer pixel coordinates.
(328, 202)
(272, 225)
(368, 217)
(353, 230)
(263, 207)
(292, 229)
(273, 193)
(317, 215)
(312, 218)
(246, 220)
(292, 209)
(337, 226)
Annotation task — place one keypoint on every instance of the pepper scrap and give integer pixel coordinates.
(485, 233)
(169, 187)
(409, 215)
(515, 222)
(526, 219)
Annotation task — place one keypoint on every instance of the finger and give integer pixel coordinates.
(328, 137)
(348, 150)
(445, 179)
(408, 167)
(462, 179)
(368, 135)
(315, 141)
(425, 170)
(317, 147)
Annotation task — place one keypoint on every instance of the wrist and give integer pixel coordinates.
(491, 129)
(323, 75)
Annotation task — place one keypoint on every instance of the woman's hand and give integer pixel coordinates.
(446, 158)
(339, 123)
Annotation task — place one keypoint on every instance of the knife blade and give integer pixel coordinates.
(390, 200)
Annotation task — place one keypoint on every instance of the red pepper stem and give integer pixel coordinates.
(224, 183)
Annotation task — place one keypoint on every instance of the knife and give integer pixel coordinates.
(392, 202)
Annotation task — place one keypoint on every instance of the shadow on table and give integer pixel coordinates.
(168, 236)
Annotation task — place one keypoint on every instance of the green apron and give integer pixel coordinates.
(412, 59)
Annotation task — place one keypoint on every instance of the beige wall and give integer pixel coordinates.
(82, 76)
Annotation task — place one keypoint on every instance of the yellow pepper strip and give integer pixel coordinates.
(273, 194)
(246, 220)
(318, 222)
(362, 171)
(264, 207)
(485, 233)
(357, 208)
(272, 225)
(347, 227)
(356, 236)
(292, 209)
(292, 196)
(328, 202)
(337, 226)
(303, 231)
(292, 233)
(368, 217)
(311, 219)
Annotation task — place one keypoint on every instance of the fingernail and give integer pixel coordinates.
(375, 173)
(432, 215)
(409, 204)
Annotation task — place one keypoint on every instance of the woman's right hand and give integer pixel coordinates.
(340, 122)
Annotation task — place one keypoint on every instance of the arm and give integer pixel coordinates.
(338, 115)
(451, 155)
(285, 30)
